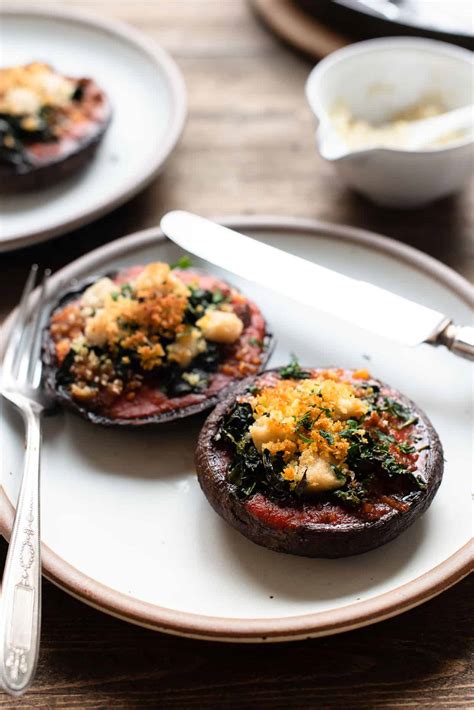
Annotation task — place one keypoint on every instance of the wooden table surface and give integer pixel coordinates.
(248, 149)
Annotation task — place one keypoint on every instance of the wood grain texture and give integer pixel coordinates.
(248, 147)
(298, 28)
(90, 660)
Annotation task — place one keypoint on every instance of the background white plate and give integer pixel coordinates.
(148, 99)
(127, 529)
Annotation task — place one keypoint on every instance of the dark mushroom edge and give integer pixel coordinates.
(331, 471)
(154, 374)
(50, 126)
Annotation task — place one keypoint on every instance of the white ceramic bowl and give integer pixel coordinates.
(375, 80)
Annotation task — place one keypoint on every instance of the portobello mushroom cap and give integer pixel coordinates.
(167, 409)
(305, 526)
(49, 163)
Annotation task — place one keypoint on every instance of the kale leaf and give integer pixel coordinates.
(352, 496)
(369, 454)
(394, 408)
(177, 385)
(237, 422)
(64, 376)
(199, 300)
(328, 436)
(209, 359)
(278, 486)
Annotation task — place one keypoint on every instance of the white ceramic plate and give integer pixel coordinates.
(127, 529)
(148, 98)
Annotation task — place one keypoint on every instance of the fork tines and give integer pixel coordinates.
(21, 362)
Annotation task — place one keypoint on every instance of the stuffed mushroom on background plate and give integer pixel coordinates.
(50, 125)
(146, 92)
(127, 528)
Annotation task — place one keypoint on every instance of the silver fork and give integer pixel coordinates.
(20, 604)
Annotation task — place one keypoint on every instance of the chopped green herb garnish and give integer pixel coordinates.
(406, 447)
(184, 262)
(385, 438)
(394, 408)
(126, 290)
(328, 436)
(293, 371)
(304, 423)
(351, 496)
(352, 426)
(218, 297)
(352, 423)
(324, 410)
(408, 422)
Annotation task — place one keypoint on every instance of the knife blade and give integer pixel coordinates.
(358, 302)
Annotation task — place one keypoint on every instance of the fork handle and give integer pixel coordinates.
(20, 607)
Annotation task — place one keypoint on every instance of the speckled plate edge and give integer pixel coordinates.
(352, 616)
(173, 77)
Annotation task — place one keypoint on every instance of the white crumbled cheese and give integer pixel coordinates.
(95, 329)
(191, 378)
(55, 89)
(20, 101)
(25, 89)
(320, 475)
(186, 347)
(344, 402)
(220, 326)
(94, 296)
(348, 407)
(158, 277)
(266, 429)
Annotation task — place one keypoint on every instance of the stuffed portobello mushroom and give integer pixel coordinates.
(318, 462)
(151, 344)
(50, 125)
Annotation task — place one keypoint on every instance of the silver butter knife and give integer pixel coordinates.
(389, 315)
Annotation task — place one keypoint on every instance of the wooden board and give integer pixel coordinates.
(298, 29)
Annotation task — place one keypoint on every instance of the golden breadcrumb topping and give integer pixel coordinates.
(135, 316)
(120, 332)
(303, 419)
(24, 90)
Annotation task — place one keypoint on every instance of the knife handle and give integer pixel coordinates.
(459, 339)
